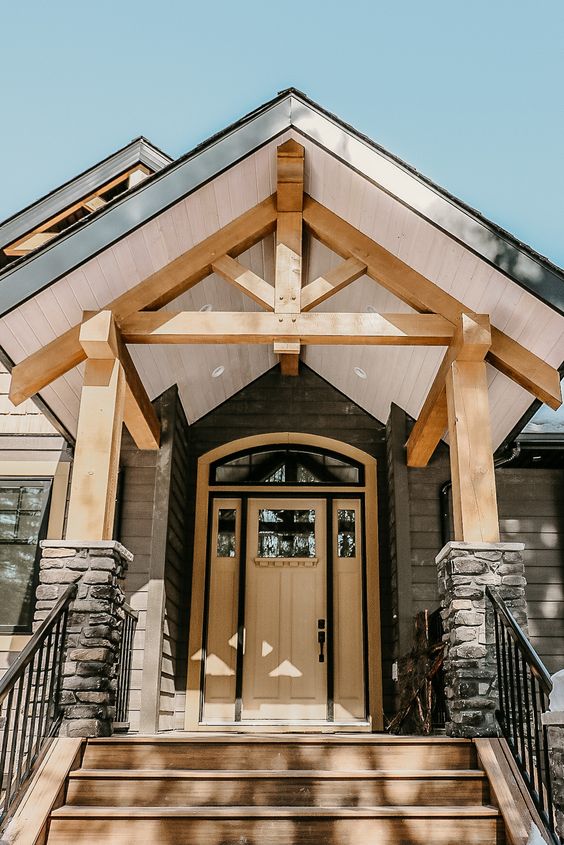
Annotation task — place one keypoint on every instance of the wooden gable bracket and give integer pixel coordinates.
(112, 392)
(65, 352)
(506, 354)
(290, 159)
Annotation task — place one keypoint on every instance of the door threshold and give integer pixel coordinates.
(263, 726)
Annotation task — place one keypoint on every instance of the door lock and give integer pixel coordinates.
(321, 639)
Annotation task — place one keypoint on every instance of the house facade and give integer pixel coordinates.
(283, 390)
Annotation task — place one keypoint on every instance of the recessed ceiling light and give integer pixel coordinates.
(358, 371)
(207, 307)
(371, 309)
(218, 371)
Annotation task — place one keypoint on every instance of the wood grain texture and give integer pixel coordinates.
(474, 500)
(514, 360)
(158, 289)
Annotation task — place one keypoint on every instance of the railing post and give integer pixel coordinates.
(93, 629)
(464, 571)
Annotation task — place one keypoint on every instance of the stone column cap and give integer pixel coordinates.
(457, 546)
(553, 718)
(110, 545)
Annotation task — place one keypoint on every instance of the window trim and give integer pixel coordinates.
(23, 481)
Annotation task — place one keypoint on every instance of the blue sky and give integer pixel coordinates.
(469, 93)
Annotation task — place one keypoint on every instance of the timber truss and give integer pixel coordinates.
(113, 392)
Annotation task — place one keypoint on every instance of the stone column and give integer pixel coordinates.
(554, 723)
(93, 631)
(465, 569)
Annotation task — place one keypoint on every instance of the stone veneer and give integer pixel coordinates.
(93, 631)
(554, 724)
(464, 570)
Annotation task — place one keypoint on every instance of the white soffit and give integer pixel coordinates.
(401, 375)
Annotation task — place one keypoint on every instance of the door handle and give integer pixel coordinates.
(321, 639)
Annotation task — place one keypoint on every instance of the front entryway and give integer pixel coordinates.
(286, 624)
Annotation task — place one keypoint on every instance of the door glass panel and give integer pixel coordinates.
(226, 542)
(346, 537)
(286, 533)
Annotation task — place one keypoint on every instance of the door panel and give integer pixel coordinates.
(221, 646)
(285, 597)
(349, 697)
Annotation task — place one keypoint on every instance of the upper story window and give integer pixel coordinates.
(287, 465)
(23, 523)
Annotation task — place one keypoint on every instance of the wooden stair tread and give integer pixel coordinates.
(293, 774)
(281, 739)
(478, 811)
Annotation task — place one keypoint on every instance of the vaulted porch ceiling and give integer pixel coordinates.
(393, 374)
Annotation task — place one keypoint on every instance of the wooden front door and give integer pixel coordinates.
(285, 649)
(285, 631)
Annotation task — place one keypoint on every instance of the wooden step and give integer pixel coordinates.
(328, 753)
(276, 826)
(175, 788)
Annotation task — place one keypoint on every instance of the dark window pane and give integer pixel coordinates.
(346, 537)
(22, 510)
(286, 533)
(286, 466)
(226, 536)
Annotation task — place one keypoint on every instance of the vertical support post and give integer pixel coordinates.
(94, 480)
(288, 274)
(471, 454)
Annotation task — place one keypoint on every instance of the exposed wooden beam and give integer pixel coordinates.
(259, 327)
(512, 359)
(471, 342)
(331, 282)
(474, 502)
(65, 352)
(100, 339)
(31, 242)
(96, 457)
(244, 279)
(289, 357)
(289, 201)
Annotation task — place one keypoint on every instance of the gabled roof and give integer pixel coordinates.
(290, 109)
(107, 253)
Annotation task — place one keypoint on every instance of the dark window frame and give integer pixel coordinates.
(285, 450)
(29, 481)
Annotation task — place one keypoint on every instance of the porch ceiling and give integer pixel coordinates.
(394, 374)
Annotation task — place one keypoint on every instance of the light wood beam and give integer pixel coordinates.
(320, 328)
(289, 357)
(65, 352)
(471, 342)
(474, 502)
(100, 338)
(331, 282)
(289, 202)
(96, 457)
(244, 279)
(512, 359)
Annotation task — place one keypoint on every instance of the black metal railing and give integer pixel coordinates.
(524, 689)
(125, 655)
(29, 702)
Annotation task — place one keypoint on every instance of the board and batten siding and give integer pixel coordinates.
(531, 511)
(152, 525)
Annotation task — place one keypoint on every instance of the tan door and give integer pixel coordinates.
(349, 693)
(221, 642)
(285, 610)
